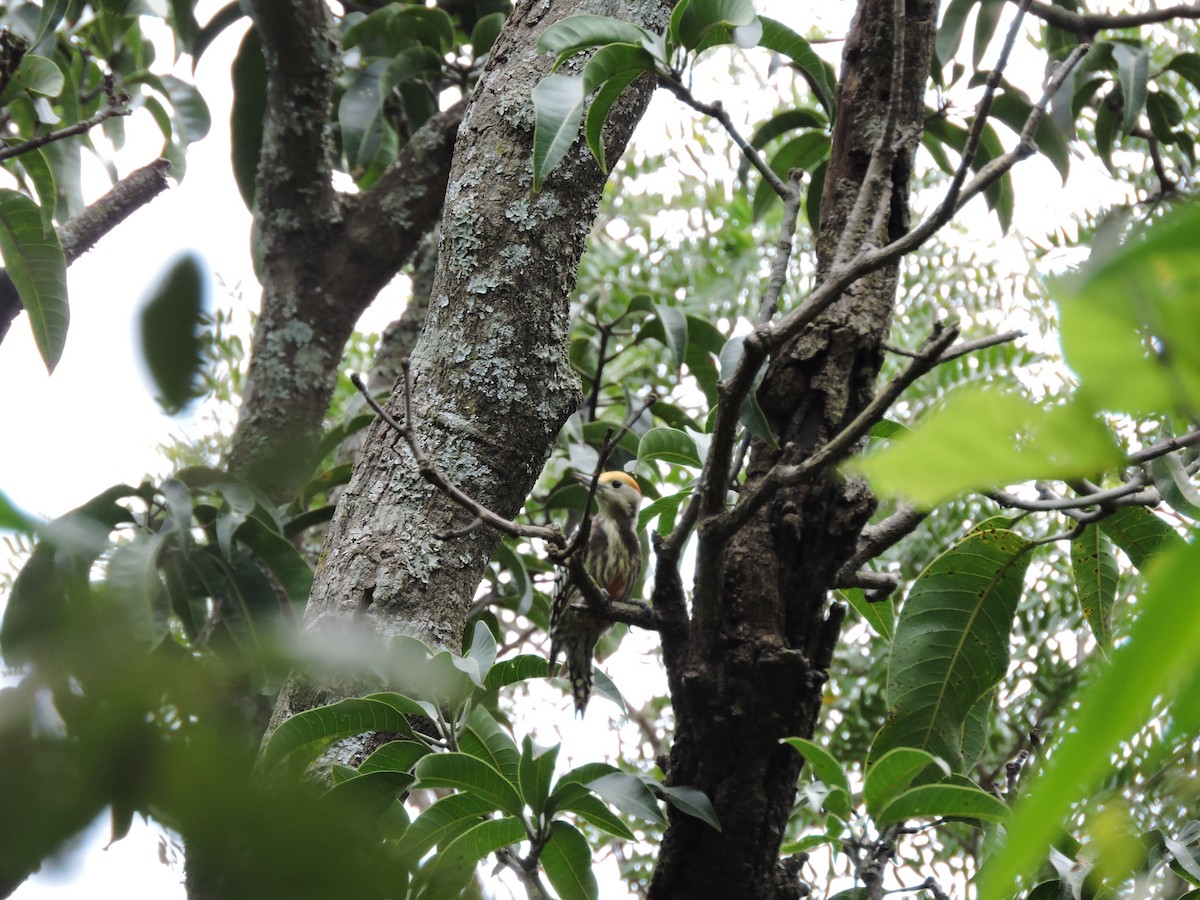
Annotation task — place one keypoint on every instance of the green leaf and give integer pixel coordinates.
(821, 762)
(807, 152)
(567, 861)
(35, 262)
(1133, 69)
(191, 112)
(485, 32)
(372, 793)
(615, 61)
(574, 797)
(464, 772)
(170, 330)
(249, 75)
(574, 34)
(1158, 658)
(1095, 570)
(627, 793)
(484, 739)
(980, 438)
(819, 75)
(301, 738)
(597, 113)
(675, 328)
(13, 519)
(702, 15)
(1124, 319)
(558, 110)
(1175, 485)
(949, 34)
(1141, 534)
(37, 167)
(1013, 110)
(986, 21)
(511, 671)
(751, 417)
(480, 655)
(394, 756)
(952, 643)
(689, 800)
(287, 564)
(668, 445)
(665, 509)
(442, 822)
(879, 614)
(893, 772)
(944, 800)
(35, 74)
(1187, 65)
(451, 870)
(536, 773)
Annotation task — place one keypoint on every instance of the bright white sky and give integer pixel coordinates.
(94, 422)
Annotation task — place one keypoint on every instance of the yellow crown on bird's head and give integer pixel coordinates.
(624, 477)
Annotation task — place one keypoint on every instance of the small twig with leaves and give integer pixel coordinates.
(117, 106)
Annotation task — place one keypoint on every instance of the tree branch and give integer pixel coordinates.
(81, 232)
(293, 185)
(1085, 25)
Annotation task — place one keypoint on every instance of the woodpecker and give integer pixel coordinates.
(613, 559)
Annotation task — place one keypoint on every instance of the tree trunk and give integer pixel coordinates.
(492, 384)
(751, 670)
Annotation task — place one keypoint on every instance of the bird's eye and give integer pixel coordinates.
(614, 485)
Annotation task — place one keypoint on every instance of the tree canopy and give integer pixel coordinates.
(920, 518)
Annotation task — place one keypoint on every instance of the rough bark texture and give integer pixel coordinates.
(324, 256)
(492, 383)
(751, 668)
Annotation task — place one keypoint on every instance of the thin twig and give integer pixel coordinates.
(551, 534)
(1087, 24)
(960, 349)
(717, 111)
(840, 444)
(874, 539)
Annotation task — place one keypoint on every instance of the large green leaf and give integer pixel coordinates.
(1158, 660)
(558, 110)
(829, 772)
(464, 772)
(1133, 69)
(170, 332)
(699, 16)
(569, 36)
(819, 75)
(302, 737)
(1095, 570)
(451, 870)
(944, 800)
(981, 438)
(892, 773)
(249, 75)
(567, 860)
(1140, 533)
(952, 643)
(1128, 320)
(442, 822)
(536, 773)
(629, 794)
(38, 269)
(668, 445)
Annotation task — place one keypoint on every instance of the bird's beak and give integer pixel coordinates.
(582, 479)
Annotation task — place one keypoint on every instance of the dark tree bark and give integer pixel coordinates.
(751, 667)
(324, 255)
(492, 382)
